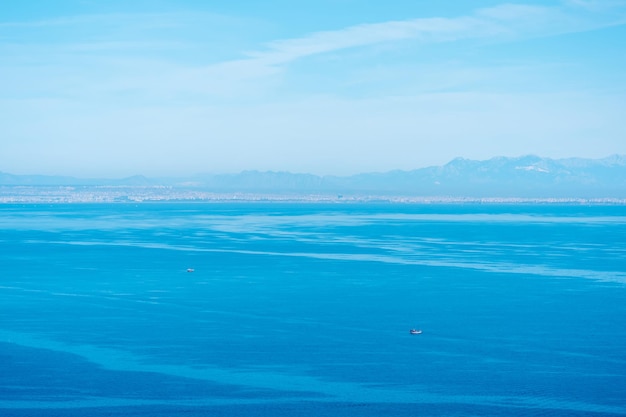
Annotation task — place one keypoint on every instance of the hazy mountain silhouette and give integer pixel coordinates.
(527, 176)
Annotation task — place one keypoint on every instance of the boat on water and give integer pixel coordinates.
(415, 331)
(190, 269)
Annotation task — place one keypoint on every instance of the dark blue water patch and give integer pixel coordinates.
(307, 409)
(42, 375)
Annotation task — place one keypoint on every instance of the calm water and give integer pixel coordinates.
(305, 310)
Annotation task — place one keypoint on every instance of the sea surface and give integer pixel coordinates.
(305, 310)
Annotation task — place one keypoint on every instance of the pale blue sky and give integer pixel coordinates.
(176, 87)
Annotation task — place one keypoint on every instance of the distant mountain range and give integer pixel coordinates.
(523, 177)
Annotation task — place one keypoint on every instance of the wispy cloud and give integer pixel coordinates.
(597, 4)
(504, 22)
(425, 30)
(225, 77)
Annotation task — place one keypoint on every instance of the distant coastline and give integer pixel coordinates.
(501, 179)
(157, 194)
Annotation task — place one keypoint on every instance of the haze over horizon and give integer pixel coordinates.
(614, 160)
(176, 88)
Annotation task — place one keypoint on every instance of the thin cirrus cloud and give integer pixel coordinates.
(504, 22)
(161, 74)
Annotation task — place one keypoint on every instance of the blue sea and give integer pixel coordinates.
(305, 309)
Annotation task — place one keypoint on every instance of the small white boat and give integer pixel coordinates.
(190, 270)
(415, 331)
